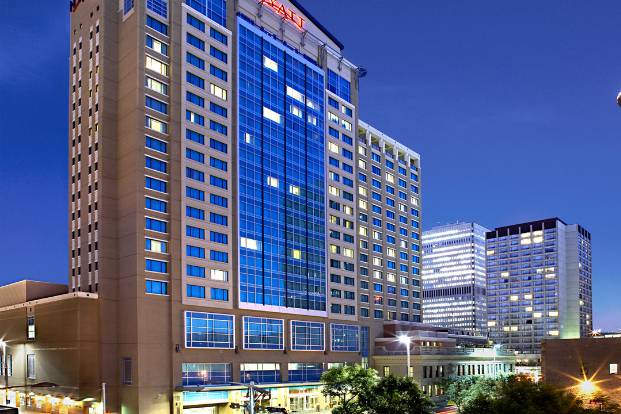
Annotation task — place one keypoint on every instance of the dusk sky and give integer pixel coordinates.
(511, 105)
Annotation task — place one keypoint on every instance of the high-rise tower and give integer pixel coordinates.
(234, 217)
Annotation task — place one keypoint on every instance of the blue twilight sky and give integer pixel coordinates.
(510, 103)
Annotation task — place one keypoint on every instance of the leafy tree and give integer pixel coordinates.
(518, 395)
(345, 385)
(397, 395)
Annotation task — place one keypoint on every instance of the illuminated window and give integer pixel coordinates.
(271, 115)
(31, 327)
(294, 189)
(218, 91)
(613, 369)
(390, 178)
(272, 182)
(156, 66)
(346, 124)
(363, 191)
(220, 275)
(295, 110)
(249, 243)
(334, 191)
(295, 94)
(553, 314)
(363, 204)
(270, 64)
(333, 147)
(296, 254)
(553, 333)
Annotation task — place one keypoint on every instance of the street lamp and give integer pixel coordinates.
(5, 366)
(407, 341)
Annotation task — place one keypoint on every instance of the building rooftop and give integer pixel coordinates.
(28, 290)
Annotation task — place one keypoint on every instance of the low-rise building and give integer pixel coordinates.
(50, 348)
(437, 354)
(585, 365)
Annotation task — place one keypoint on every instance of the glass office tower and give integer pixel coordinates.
(454, 277)
(538, 283)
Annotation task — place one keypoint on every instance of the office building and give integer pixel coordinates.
(538, 283)
(454, 277)
(437, 354)
(231, 215)
(586, 366)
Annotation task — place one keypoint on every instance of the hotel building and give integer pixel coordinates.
(454, 277)
(538, 283)
(230, 214)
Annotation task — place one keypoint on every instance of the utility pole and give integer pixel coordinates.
(251, 398)
(103, 397)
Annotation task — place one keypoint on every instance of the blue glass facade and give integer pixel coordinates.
(281, 175)
(213, 9)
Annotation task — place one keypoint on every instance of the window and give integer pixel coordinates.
(196, 23)
(155, 225)
(156, 205)
(263, 333)
(195, 41)
(194, 291)
(270, 64)
(200, 374)
(218, 145)
(218, 54)
(218, 256)
(195, 155)
(128, 5)
(195, 271)
(156, 85)
(156, 287)
(305, 372)
(30, 366)
(218, 127)
(126, 371)
(30, 322)
(271, 115)
(218, 73)
(156, 125)
(156, 144)
(217, 109)
(218, 91)
(219, 294)
(195, 61)
(307, 336)
(157, 46)
(156, 66)
(220, 275)
(194, 136)
(345, 338)
(155, 164)
(216, 237)
(156, 246)
(195, 80)
(218, 200)
(218, 182)
(156, 24)
(260, 373)
(195, 251)
(220, 37)
(157, 266)
(613, 369)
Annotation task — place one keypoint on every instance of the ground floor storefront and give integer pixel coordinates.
(31, 402)
(298, 399)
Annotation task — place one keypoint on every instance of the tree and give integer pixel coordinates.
(344, 386)
(518, 395)
(397, 395)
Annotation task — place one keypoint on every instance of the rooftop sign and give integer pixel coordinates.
(284, 12)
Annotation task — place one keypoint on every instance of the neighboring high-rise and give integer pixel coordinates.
(235, 219)
(454, 277)
(538, 283)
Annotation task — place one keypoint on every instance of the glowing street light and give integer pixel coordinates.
(407, 341)
(587, 387)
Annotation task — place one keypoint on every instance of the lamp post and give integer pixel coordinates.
(407, 341)
(5, 367)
